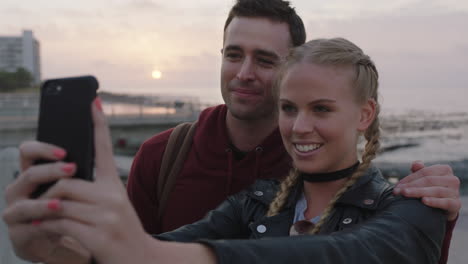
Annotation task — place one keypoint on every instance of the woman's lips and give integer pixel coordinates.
(305, 150)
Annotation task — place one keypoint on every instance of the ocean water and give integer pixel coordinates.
(444, 100)
(430, 136)
(393, 100)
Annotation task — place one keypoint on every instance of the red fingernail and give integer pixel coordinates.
(98, 103)
(69, 167)
(59, 153)
(36, 222)
(53, 205)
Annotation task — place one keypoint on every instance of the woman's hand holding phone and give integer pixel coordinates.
(23, 215)
(97, 214)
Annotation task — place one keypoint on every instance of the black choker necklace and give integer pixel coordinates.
(328, 176)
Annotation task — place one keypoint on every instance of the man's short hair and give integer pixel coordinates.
(274, 10)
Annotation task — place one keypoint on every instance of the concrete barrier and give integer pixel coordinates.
(8, 168)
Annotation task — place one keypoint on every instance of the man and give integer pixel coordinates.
(236, 143)
(239, 142)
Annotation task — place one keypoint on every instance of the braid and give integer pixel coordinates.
(372, 135)
(356, 175)
(283, 193)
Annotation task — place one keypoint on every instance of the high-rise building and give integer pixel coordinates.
(21, 52)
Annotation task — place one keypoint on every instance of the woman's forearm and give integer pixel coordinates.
(180, 253)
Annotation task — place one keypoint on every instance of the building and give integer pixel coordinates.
(21, 52)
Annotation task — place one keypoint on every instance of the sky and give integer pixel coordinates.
(420, 46)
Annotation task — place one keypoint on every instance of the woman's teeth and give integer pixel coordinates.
(307, 148)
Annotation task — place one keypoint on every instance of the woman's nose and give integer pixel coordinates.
(303, 124)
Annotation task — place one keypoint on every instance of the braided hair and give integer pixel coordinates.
(335, 52)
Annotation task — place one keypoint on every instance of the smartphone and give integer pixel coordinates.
(65, 120)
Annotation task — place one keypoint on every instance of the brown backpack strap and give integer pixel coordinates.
(174, 156)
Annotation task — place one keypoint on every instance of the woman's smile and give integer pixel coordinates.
(306, 148)
(319, 117)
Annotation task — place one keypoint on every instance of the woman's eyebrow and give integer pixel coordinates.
(323, 100)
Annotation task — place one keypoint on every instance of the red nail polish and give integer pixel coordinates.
(69, 167)
(98, 103)
(36, 222)
(59, 153)
(53, 205)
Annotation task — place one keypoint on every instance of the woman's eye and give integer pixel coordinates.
(288, 108)
(321, 109)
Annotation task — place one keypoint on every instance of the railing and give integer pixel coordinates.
(20, 110)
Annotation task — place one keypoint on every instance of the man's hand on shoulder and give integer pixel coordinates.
(436, 185)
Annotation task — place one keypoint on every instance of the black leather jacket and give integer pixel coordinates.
(368, 225)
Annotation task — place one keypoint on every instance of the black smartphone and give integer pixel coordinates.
(65, 120)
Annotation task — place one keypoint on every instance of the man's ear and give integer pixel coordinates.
(368, 112)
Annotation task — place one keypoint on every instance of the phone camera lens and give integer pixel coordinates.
(53, 89)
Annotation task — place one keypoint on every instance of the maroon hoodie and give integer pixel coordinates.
(210, 173)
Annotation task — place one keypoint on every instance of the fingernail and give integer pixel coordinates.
(59, 153)
(98, 103)
(35, 222)
(69, 167)
(53, 205)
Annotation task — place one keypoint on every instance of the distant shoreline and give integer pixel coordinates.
(402, 169)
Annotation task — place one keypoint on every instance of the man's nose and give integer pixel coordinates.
(246, 71)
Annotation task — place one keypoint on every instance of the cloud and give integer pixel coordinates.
(144, 7)
(339, 9)
(426, 50)
(144, 4)
(15, 11)
(422, 60)
(415, 43)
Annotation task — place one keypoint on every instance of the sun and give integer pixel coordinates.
(156, 74)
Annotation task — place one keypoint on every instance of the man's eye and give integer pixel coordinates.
(266, 62)
(233, 55)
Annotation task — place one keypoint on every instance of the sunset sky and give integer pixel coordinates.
(418, 46)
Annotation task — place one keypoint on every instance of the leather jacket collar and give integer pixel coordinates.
(366, 193)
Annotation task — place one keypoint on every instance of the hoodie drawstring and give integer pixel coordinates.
(229, 175)
(255, 174)
(258, 152)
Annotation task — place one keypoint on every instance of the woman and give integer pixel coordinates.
(327, 93)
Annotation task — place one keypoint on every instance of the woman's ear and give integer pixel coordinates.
(368, 111)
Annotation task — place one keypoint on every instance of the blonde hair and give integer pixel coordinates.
(335, 52)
